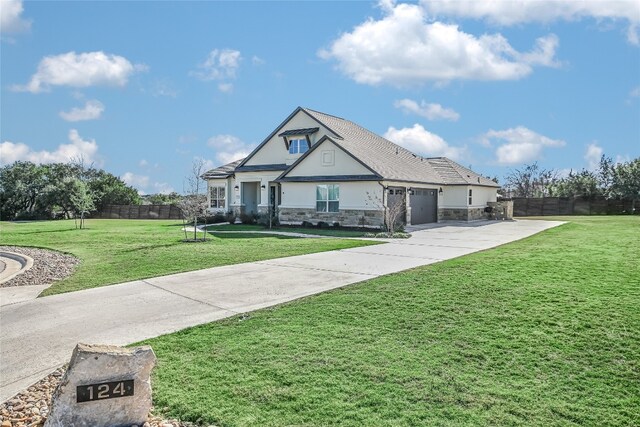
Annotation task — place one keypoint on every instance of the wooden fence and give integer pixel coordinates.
(570, 206)
(139, 212)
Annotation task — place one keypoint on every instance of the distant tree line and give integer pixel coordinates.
(63, 190)
(610, 180)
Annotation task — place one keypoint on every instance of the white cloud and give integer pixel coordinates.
(225, 87)
(592, 156)
(77, 148)
(635, 92)
(220, 65)
(420, 141)
(255, 60)
(162, 188)
(163, 87)
(509, 12)
(403, 49)
(424, 109)
(140, 182)
(228, 148)
(11, 20)
(143, 163)
(144, 185)
(80, 70)
(521, 145)
(92, 110)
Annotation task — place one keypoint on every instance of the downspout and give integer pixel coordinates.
(384, 204)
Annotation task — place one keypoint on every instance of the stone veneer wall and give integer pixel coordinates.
(346, 217)
(461, 214)
(503, 209)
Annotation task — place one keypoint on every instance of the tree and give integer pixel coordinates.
(42, 191)
(172, 198)
(21, 185)
(194, 203)
(584, 184)
(393, 209)
(625, 182)
(108, 189)
(81, 199)
(531, 181)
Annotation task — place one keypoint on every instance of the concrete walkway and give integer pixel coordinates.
(38, 336)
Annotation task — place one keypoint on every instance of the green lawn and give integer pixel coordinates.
(315, 231)
(114, 251)
(544, 331)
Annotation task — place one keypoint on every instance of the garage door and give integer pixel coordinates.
(424, 206)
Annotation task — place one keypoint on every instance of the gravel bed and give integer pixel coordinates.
(30, 407)
(2, 266)
(48, 266)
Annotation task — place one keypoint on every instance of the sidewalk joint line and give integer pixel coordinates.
(189, 298)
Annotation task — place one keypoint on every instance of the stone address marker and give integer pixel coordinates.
(104, 386)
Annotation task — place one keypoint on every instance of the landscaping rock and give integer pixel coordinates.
(99, 364)
(48, 266)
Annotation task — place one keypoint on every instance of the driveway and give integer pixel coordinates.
(38, 336)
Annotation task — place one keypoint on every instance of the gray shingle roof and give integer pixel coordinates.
(222, 171)
(394, 162)
(386, 159)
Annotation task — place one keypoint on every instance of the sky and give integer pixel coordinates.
(144, 88)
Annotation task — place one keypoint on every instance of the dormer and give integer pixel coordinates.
(297, 142)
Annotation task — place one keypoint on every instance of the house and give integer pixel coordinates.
(318, 167)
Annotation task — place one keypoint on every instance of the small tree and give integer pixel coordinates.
(194, 202)
(81, 200)
(392, 209)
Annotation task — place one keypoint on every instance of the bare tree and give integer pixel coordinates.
(530, 181)
(194, 202)
(393, 209)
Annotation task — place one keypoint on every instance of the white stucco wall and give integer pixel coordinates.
(328, 159)
(275, 152)
(457, 196)
(482, 195)
(453, 196)
(364, 195)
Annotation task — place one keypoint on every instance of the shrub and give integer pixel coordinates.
(322, 224)
(336, 224)
(306, 224)
(249, 218)
(217, 218)
(230, 217)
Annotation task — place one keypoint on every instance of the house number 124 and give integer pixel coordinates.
(110, 390)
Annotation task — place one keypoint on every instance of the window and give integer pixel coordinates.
(298, 146)
(217, 197)
(327, 198)
(470, 198)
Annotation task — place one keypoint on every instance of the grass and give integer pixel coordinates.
(543, 331)
(115, 251)
(316, 231)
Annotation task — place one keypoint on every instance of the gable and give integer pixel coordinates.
(327, 159)
(274, 151)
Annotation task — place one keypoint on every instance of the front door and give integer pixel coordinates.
(250, 196)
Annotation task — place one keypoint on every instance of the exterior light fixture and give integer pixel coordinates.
(411, 192)
(440, 191)
(236, 187)
(263, 186)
